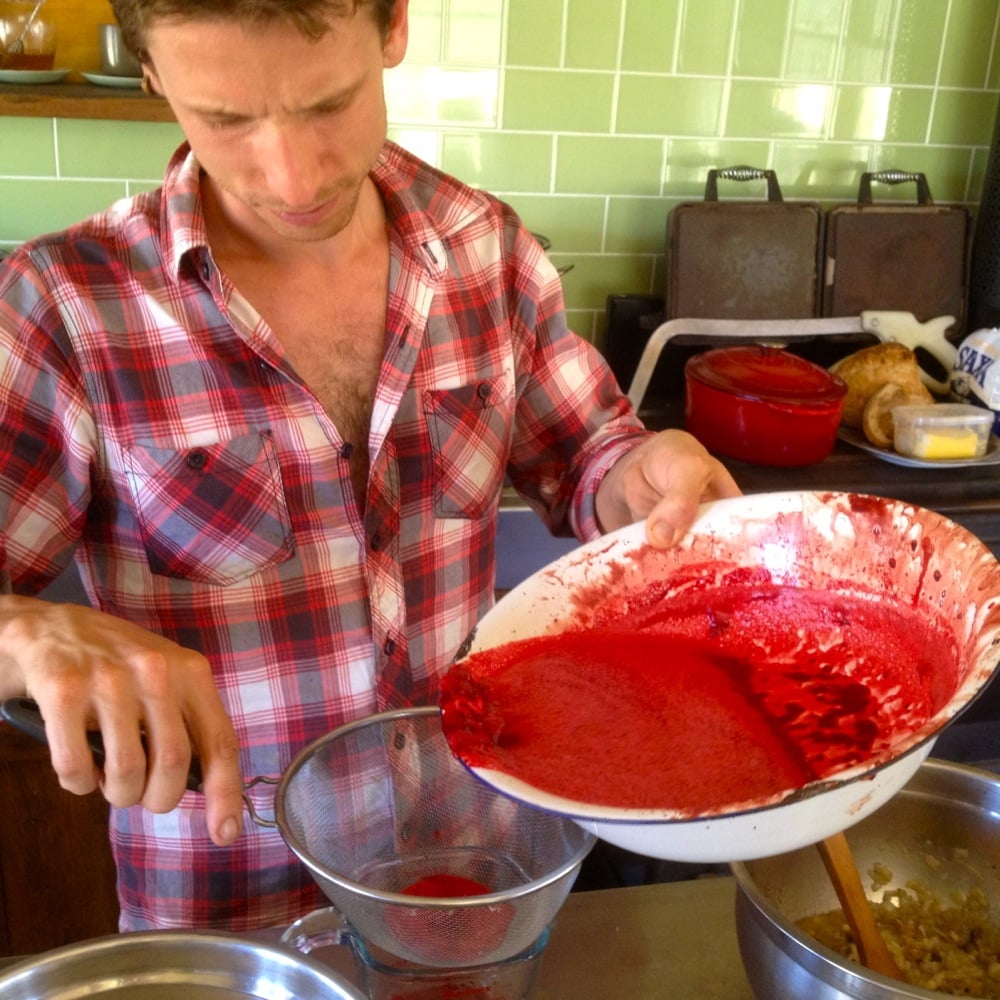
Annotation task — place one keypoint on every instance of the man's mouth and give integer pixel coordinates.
(305, 217)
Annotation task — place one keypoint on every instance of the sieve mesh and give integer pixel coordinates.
(379, 804)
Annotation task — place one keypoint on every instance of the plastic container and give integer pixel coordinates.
(763, 405)
(942, 431)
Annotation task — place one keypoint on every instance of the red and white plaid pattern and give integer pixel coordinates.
(163, 440)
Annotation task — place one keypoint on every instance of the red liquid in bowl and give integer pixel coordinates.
(705, 702)
(446, 885)
(450, 934)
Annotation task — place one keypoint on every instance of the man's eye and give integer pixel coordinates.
(224, 121)
(322, 110)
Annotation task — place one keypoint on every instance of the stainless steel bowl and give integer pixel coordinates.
(943, 808)
(158, 964)
(116, 60)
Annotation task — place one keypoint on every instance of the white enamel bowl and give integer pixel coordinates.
(836, 541)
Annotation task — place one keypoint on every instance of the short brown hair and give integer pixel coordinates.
(310, 16)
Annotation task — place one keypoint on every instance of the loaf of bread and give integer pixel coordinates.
(876, 418)
(870, 370)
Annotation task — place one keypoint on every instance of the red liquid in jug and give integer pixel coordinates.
(28, 61)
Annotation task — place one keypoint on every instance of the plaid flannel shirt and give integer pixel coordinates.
(153, 430)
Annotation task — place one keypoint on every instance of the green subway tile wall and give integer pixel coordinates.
(595, 117)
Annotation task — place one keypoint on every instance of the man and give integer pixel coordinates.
(269, 410)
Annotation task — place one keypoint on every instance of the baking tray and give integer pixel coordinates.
(895, 255)
(744, 258)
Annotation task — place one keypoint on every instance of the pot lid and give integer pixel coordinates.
(771, 374)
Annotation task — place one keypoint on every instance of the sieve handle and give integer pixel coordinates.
(24, 714)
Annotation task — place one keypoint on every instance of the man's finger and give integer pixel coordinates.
(222, 783)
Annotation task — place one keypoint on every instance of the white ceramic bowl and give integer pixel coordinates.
(818, 540)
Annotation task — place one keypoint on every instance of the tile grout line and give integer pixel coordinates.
(937, 74)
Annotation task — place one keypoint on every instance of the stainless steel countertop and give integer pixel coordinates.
(673, 939)
(670, 939)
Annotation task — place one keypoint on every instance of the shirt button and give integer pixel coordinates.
(197, 460)
(346, 450)
(376, 542)
(483, 390)
(206, 270)
(390, 647)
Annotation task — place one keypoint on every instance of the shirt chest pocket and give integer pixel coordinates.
(469, 428)
(215, 513)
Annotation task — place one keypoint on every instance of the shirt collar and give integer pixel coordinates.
(455, 206)
(424, 206)
(183, 219)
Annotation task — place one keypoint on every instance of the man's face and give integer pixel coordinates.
(286, 128)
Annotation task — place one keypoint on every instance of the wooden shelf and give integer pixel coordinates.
(82, 100)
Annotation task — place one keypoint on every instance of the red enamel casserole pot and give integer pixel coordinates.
(763, 405)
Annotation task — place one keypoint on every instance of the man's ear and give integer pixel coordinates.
(150, 81)
(397, 36)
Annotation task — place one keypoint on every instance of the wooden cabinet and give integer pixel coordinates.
(57, 878)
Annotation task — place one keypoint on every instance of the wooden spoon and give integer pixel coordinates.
(843, 872)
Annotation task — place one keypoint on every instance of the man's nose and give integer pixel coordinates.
(292, 166)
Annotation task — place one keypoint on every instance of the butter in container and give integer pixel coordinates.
(942, 431)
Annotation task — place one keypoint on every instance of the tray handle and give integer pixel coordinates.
(742, 173)
(893, 176)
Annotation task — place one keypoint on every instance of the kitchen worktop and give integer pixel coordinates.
(969, 495)
(675, 940)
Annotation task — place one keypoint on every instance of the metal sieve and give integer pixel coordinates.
(381, 804)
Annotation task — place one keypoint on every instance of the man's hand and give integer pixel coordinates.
(664, 479)
(154, 702)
